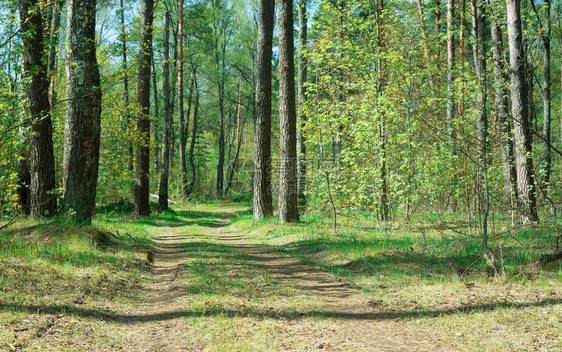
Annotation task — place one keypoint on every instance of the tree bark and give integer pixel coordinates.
(546, 98)
(165, 164)
(142, 171)
(181, 114)
(502, 113)
(37, 108)
(193, 135)
(156, 122)
(301, 96)
(287, 117)
(262, 204)
(520, 110)
(83, 111)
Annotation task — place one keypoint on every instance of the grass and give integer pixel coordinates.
(421, 274)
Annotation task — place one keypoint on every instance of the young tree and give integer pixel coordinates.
(302, 77)
(520, 110)
(181, 114)
(193, 133)
(142, 206)
(287, 117)
(263, 206)
(42, 160)
(165, 164)
(450, 71)
(83, 111)
(126, 114)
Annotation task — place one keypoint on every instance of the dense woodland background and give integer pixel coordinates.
(390, 109)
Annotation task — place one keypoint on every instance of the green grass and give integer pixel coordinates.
(435, 280)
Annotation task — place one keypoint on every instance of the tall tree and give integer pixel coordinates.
(288, 211)
(142, 206)
(262, 205)
(53, 44)
(451, 71)
(502, 112)
(156, 122)
(193, 133)
(165, 164)
(42, 160)
(181, 113)
(302, 77)
(83, 111)
(519, 106)
(126, 114)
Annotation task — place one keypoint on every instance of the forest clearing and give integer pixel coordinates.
(280, 175)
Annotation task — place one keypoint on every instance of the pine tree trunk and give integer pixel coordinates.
(301, 96)
(142, 171)
(165, 164)
(262, 206)
(83, 111)
(519, 105)
(287, 117)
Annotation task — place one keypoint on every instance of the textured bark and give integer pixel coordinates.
(262, 204)
(450, 72)
(502, 113)
(126, 114)
(520, 110)
(301, 96)
(142, 170)
(42, 160)
(165, 164)
(22, 167)
(83, 110)
(193, 135)
(287, 117)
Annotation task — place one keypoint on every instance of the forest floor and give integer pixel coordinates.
(218, 282)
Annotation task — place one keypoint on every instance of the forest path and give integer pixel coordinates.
(214, 289)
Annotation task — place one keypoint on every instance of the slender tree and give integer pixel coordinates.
(126, 114)
(181, 113)
(83, 111)
(301, 96)
(287, 117)
(53, 44)
(165, 164)
(263, 206)
(519, 106)
(193, 134)
(142, 170)
(451, 71)
(42, 160)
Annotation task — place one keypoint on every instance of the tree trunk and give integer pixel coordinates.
(546, 90)
(262, 205)
(287, 117)
(127, 115)
(302, 77)
(165, 164)
(155, 123)
(450, 72)
(502, 112)
(181, 113)
(193, 135)
(83, 111)
(220, 164)
(142, 190)
(520, 110)
(42, 160)
(479, 50)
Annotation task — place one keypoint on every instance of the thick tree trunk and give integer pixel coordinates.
(165, 164)
(287, 117)
(37, 110)
(520, 110)
(142, 171)
(263, 206)
(502, 113)
(83, 111)
(301, 96)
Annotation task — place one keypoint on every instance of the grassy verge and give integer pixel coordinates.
(437, 282)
